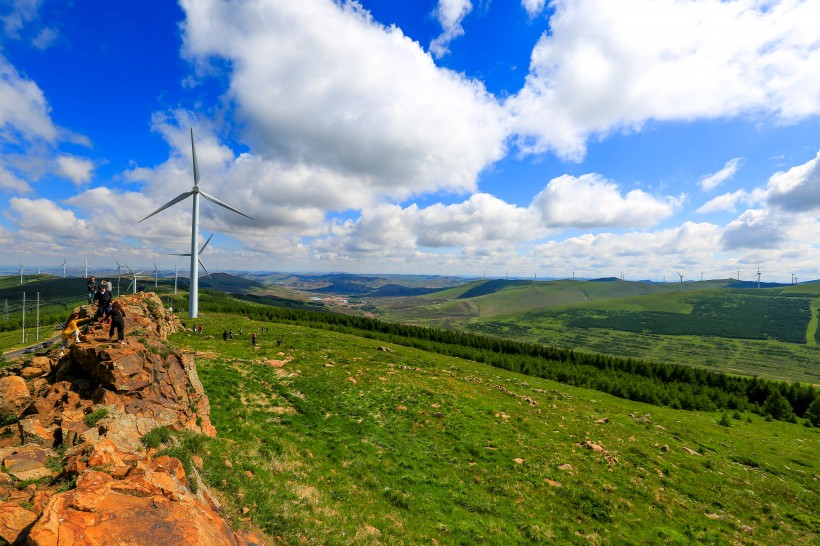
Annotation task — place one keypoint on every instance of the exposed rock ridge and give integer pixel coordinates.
(124, 494)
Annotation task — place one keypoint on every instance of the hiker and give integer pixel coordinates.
(141, 288)
(103, 299)
(225, 335)
(230, 334)
(200, 329)
(72, 328)
(253, 340)
(92, 288)
(117, 322)
(278, 342)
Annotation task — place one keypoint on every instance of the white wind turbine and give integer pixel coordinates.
(681, 282)
(193, 305)
(21, 273)
(758, 277)
(155, 275)
(134, 281)
(197, 258)
(63, 266)
(119, 271)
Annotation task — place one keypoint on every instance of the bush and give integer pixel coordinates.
(94, 417)
(813, 413)
(778, 407)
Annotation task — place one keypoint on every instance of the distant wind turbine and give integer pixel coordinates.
(21, 273)
(200, 252)
(758, 277)
(155, 275)
(681, 282)
(63, 266)
(193, 305)
(134, 281)
(119, 271)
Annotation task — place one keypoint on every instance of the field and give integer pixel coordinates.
(768, 332)
(330, 440)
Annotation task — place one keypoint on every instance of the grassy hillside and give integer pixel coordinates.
(329, 440)
(770, 332)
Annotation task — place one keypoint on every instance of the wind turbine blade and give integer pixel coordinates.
(205, 268)
(203, 246)
(170, 203)
(193, 154)
(213, 199)
(188, 254)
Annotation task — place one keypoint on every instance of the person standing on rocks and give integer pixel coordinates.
(103, 299)
(72, 328)
(117, 322)
(92, 288)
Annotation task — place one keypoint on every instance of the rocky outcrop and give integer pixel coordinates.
(79, 419)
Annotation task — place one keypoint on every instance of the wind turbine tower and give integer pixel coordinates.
(758, 277)
(681, 282)
(63, 266)
(155, 275)
(21, 273)
(193, 298)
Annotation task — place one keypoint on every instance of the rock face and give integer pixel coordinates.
(123, 494)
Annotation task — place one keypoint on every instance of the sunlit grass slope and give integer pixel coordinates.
(329, 440)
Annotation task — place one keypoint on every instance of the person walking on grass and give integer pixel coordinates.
(253, 340)
(117, 314)
(72, 328)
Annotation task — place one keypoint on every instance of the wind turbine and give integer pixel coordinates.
(193, 305)
(155, 274)
(63, 266)
(119, 269)
(175, 279)
(681, 282)
(758, 277)
(198, 258)
(21, 273)
(134, 281)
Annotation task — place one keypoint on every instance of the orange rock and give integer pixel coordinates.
(14, 395)
(13, 520)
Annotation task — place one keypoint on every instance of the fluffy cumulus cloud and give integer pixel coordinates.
(611, 66)
(23, 107)
(591, 201)
(714, 180)
(373, 106)
(639, 255)
(756, 229)
(798, 189)
(45, 220)
(533, 7)
(76, 169)
(449, 13)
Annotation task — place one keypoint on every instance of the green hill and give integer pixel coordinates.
(327, 439)
(770, 332)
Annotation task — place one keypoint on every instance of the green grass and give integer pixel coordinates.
(769, 332)
(421, 447)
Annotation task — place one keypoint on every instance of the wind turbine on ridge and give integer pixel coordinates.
(198, 258)
(63, 266)
(193, 298)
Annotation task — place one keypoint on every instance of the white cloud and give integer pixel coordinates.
(77, 169)
(796, 190)
(20, 12)
(754, 229)
(612, 66)
(713, 180)
(591, 201)
(725, 202)
(347, 95)
(44, 220)
(449, 13)
(10, 181)
(23, 107)
(45, 38)
(533, 7)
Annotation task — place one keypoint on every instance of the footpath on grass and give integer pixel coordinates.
(74, 466)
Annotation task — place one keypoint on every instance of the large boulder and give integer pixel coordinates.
(14, 395)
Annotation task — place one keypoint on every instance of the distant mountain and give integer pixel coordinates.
(398, 290)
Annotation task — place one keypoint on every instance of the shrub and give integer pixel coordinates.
(813, 413)
(94, 417)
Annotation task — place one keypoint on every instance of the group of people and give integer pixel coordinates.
(108, 310)
(228, 334)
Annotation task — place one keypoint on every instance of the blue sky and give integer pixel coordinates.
(641, 137)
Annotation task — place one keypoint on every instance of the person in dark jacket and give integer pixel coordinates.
(103, 301)
(117, 314)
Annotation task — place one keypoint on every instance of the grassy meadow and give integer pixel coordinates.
(329, 440)
(768, 332)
